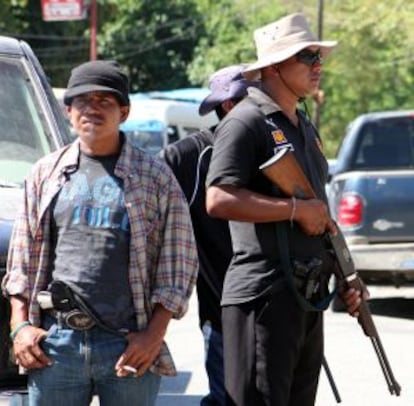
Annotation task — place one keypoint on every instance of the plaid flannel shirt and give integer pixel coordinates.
(163, 257)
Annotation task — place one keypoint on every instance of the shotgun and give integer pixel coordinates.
(285, 172)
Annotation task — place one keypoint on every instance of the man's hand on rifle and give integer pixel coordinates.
(352, 299)
(313, 217)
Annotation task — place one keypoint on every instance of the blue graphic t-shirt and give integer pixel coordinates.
(92, 233)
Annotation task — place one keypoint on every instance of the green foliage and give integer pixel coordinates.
(175, 43)
(371, 69)
(58, 45)
(229, 34)
(156, 42)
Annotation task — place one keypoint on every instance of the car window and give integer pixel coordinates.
(386, 143)
(149, 135)
(23, 135)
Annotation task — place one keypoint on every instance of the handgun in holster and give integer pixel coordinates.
(309, 279)
(59, 300)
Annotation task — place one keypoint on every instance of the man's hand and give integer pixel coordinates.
(313, 216)
(140, 353)
(27, 350)
(352, 299)
(144, 346)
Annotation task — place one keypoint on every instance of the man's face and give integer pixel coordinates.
(96, 116)
(302, 72)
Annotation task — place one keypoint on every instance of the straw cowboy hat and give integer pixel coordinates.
(282, 39)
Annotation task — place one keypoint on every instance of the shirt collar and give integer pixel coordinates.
(70, 160)
(265, 103)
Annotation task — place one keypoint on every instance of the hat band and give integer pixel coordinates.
(291, 41)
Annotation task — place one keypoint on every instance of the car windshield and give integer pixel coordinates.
(149, 135)
(23, 135)
(387, 143)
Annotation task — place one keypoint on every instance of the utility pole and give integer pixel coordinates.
(318, 96)
(320, 20)
(94, 22)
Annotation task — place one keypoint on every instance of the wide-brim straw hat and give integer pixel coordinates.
(282, 39)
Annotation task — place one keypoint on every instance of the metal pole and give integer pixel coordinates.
(318, 99)
(320, 20)
(94, 20)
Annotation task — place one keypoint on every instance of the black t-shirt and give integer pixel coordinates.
(245, 139)
(91, 230)
(189, 159)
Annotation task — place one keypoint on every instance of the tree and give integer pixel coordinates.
(229, 26)
(169, 44)
(58, 45)
(156, 42)
(371, 69)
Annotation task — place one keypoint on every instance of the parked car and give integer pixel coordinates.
(371, 195)
(31, 125)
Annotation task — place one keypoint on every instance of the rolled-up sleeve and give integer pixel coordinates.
(177, 264)
(20, 257)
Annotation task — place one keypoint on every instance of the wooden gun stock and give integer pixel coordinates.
(285, 172)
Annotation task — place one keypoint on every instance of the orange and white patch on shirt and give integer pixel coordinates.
(279, 137)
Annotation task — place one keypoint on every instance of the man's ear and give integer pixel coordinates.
(68, 110)
(227, 105)
(124, 113)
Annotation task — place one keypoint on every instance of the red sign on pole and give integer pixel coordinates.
(60, 10)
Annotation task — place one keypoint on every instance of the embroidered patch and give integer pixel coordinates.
(279, 137)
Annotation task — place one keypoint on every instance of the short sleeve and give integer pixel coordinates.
(232, 161)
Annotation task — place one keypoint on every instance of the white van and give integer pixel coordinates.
(155, 122)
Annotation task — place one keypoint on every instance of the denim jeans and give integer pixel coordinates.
(83, 366)
(213, 346)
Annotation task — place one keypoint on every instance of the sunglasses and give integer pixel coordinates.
(309, 57)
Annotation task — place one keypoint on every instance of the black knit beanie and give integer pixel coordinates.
(94, 76)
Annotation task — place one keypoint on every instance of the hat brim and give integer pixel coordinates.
(237, 89)
(79, 90)
(208, 104)
(252, 72)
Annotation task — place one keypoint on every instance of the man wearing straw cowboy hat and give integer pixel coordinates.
(273, 346)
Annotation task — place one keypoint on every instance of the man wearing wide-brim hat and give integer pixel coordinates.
(276, 284)
(189, 159)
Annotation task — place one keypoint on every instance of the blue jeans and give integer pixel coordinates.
(83, 366)
(213, 346)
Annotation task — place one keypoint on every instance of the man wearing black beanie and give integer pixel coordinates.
(102, 257)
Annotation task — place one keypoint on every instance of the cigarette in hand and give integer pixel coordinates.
(130, 369)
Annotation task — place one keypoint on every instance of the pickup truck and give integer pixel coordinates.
(371, 195)
(31, 125)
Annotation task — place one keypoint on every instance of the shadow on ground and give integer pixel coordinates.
(175, 384)
(172, 391)
(178, 400)
(393, 307)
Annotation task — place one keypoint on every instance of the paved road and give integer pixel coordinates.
(350, 355)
